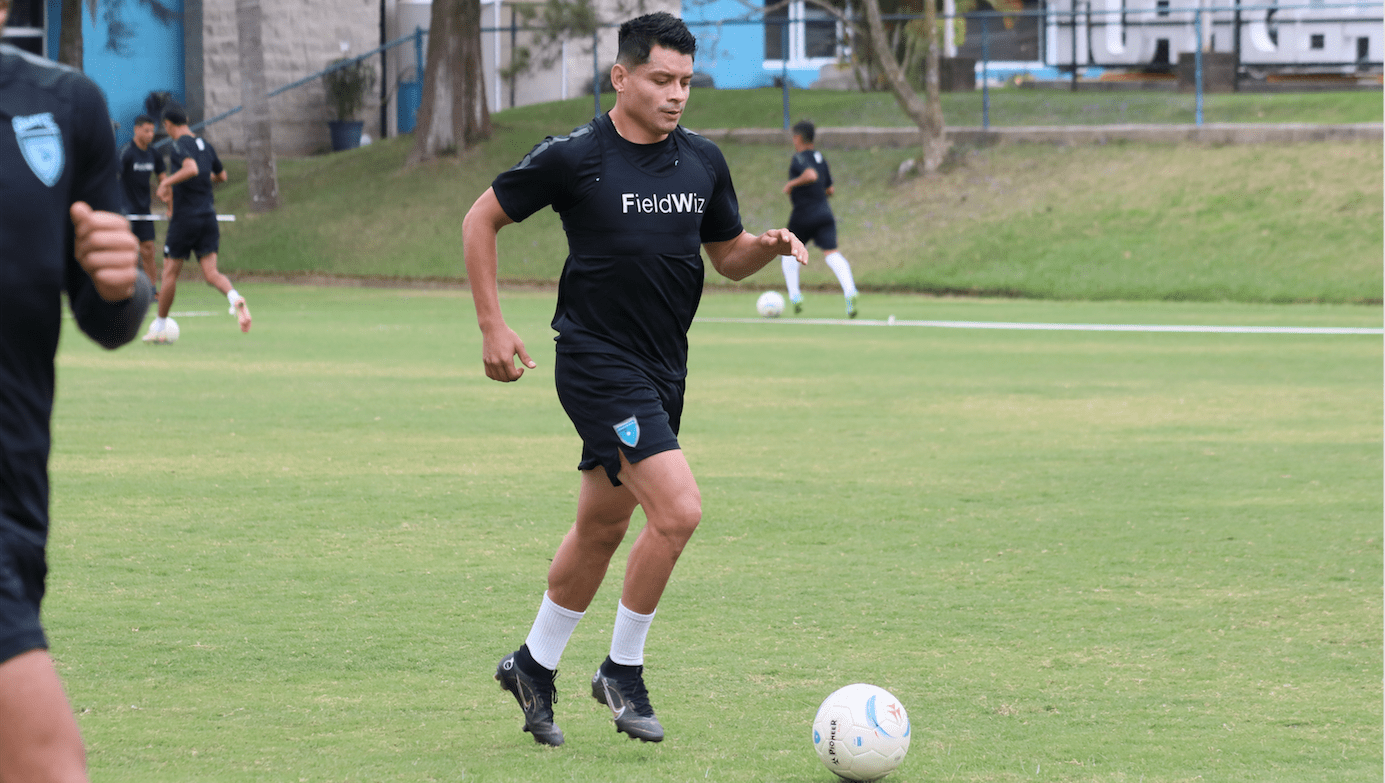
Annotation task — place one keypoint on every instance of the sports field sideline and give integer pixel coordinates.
(1074, 555)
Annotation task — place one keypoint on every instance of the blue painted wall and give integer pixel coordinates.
(129, 53)
(734, 52)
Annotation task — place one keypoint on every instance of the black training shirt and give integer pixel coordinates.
(193, 196)
(56, 147)
(136, 165)
(808, 200)
(636, 217)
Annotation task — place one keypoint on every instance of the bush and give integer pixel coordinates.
(348, 86)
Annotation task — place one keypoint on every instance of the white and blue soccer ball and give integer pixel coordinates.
(861, 732)
(770, 304)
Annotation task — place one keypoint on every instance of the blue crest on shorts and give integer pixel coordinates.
(41, 142)
(629, 432)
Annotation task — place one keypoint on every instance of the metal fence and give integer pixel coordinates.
(1165, 59)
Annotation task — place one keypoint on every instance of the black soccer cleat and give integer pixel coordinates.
(535, 697)
(629, 702)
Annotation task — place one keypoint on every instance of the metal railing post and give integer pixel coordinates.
(418, 54)
(784, 69)
(985, 74)
(596, 73)
(1072, 19)
(1197, 62)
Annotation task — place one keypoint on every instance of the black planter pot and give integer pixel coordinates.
(346, 134)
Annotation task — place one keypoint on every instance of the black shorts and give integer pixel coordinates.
(144, 230)
(820, 229)
(198, 234)
(22, 571)
(617, 407)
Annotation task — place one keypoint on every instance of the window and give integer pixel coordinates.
(1317, 41)
(802, 34)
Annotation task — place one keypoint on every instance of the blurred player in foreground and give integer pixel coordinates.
(192, 226)
(640, 197)
(809, 185)
(137, 162)
(59, 230)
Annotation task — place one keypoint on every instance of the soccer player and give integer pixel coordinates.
(137, 162)
(809, 185)
(60, 229)
(192, 226)
(639, 197)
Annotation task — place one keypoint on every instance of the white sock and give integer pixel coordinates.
(843, 271)
(552, 628)
(233, 296)
(160, 323)
(627, 638)
(790, 265)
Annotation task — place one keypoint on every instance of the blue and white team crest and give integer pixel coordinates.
(629, 432)
(41, 142)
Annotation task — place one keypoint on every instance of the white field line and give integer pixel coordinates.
(146, 218)
(1028, 327)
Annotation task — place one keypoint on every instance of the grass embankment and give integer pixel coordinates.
(1264, 223)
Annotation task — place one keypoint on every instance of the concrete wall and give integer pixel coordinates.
(300, 38)
(570, 76)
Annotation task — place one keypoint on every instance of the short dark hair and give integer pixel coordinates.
(641, 34)
(805, 129)
(176, 116)
(143, 119)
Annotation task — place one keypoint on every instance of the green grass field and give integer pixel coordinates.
(297, 554)
(1258, 223)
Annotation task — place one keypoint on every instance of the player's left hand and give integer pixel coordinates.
(785, 243)
(788, 188)
(107, 250)
(164, 192)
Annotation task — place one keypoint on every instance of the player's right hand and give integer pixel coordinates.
(498, 352)
(107, 250)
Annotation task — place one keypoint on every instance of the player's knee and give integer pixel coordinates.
(681, 518)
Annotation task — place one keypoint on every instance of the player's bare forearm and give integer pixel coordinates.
(809, 176)
(499, 343)
(747, 254)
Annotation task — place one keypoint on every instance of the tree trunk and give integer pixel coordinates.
(935, 135)
(70, 39)
(928, 114)
(262, 178)
(452, 115)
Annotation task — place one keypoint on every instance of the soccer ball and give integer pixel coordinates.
(770, 304)
(861, 732)
(170, 331)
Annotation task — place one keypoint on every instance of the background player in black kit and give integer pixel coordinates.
(809, 185)
(640, 197)
(60, 230)
(192, 228)
(138, 161)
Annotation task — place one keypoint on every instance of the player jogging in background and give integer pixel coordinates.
(138, 161)
(640, 198)
(809, 185)
(192, 226)
(60, 231)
